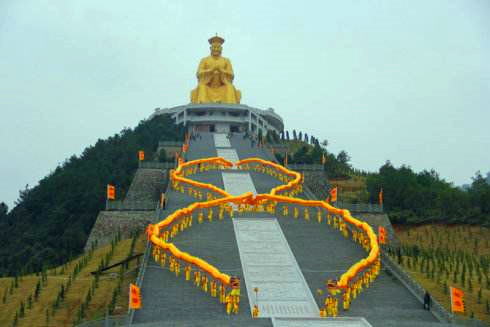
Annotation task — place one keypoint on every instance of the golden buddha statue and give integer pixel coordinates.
(215, 77)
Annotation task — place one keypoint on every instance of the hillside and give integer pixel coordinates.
(51, 221)
(409, 197)
(53, 307)
(439, 256)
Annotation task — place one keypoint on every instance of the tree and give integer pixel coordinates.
(343, 157)
(268, 137)
(62, 292)
(162, 155)
(3, 211)
(300, 136)
(294, 135)
(307, 140)
(22, 310)
(16, 319)
(64, 205)
(287, 135)
(301, 156)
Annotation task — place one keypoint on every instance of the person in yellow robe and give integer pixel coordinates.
(215, 76)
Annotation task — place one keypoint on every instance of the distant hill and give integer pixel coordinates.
(51, 221)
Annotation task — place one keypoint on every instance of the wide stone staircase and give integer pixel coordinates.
(320, 253)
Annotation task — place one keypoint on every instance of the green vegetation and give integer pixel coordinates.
(413, 198)
(440, 256)
(308, 150)
(69, 293)
(409, 197)
(51, 221)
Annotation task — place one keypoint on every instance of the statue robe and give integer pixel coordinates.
(213, 85)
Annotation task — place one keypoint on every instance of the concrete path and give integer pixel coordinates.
(221, 141)
(269, 264)
(238, 183)
(320, 322)
(228, 154)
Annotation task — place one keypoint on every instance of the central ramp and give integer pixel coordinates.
(221, 141)
(228, 154)
(269, 264)
(238, 183)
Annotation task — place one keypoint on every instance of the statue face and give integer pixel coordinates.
(216, 49)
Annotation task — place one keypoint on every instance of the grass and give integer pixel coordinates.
(75, 296)
(352, 190)
(438, 256)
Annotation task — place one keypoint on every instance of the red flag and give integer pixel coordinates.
(381, 235)
(457, 300)
(333, 194)
(380, 197)
(111, 192)
(134, 296)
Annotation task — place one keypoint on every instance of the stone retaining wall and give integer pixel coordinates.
(109, 222)
(145, 188)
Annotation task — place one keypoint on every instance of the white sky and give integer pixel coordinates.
(402, 80)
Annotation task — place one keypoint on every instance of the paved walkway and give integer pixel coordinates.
(221, 141)
(238, 183)
(228, 154)
(269, 264)
(172, 301)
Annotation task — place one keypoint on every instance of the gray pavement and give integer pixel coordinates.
(270, 266)
(319, 251)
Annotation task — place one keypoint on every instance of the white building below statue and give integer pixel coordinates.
(224, 118)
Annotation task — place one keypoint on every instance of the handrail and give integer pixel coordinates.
(293, 185)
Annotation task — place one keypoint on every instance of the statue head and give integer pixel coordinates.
(216, 45)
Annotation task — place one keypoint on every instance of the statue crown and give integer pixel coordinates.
(216, 39)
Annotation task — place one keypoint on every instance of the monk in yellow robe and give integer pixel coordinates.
(215, 77)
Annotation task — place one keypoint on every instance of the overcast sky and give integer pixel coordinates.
(407, 81)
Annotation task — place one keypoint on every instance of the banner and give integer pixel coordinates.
(457, 300)
(134, 297)
(111, 192)
(333, 194)
(380, 197)
(141, 155)
(324, 159)
(381, 235)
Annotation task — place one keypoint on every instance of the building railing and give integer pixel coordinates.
(156, 165)
(118, 205)
(139, 279)
(415, 288)
(360, 207)
(107, 321)
(302, 167)
(419, 292)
